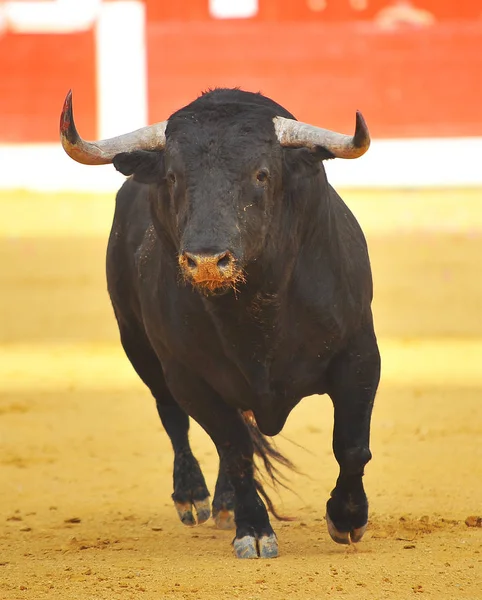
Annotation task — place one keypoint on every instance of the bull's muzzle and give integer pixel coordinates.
(210, 271)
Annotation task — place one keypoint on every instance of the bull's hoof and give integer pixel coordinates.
(186, 513)
(344, 537)
(357, 534)
(245, 547)
(266, 546)
(224, 519)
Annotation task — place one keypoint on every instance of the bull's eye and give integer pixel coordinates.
(171, 178)
(262, 176)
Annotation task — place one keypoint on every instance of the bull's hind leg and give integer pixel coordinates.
(223, 501)
(353, 381)
(225, 425)
(190, 491)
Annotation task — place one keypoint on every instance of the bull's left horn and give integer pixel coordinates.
(296, 134)
(103, 152)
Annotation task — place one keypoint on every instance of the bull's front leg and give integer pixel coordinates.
(254, 535)
(353, 382)
(225, 425)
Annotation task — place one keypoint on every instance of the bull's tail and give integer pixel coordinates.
(269, 455)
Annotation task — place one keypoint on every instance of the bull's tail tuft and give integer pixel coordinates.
(269, 455)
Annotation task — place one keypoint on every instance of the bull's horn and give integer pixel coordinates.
(103, 152)
(296, 134)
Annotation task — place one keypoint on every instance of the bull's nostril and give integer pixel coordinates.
(190, 263)
(224, 261)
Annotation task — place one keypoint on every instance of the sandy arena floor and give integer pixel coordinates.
(85, 468)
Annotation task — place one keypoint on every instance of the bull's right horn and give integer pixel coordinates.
(102, 152)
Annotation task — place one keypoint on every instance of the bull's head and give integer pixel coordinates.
(219, 171)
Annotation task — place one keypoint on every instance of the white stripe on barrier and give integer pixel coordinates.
(54, 16)
(403, 163)
(233, 9)
(121, 68)
(46, 167)
(448, 162)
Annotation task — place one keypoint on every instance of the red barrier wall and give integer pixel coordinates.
(36, 72)
(422, 82)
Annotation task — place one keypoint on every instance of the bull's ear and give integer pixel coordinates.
(145, 166)
(321, 153)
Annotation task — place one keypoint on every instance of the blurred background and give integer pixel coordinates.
(67, 393)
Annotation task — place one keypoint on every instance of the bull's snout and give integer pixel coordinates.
(217, 264)
(210, 271)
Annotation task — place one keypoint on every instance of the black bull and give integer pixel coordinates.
(241, 283)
